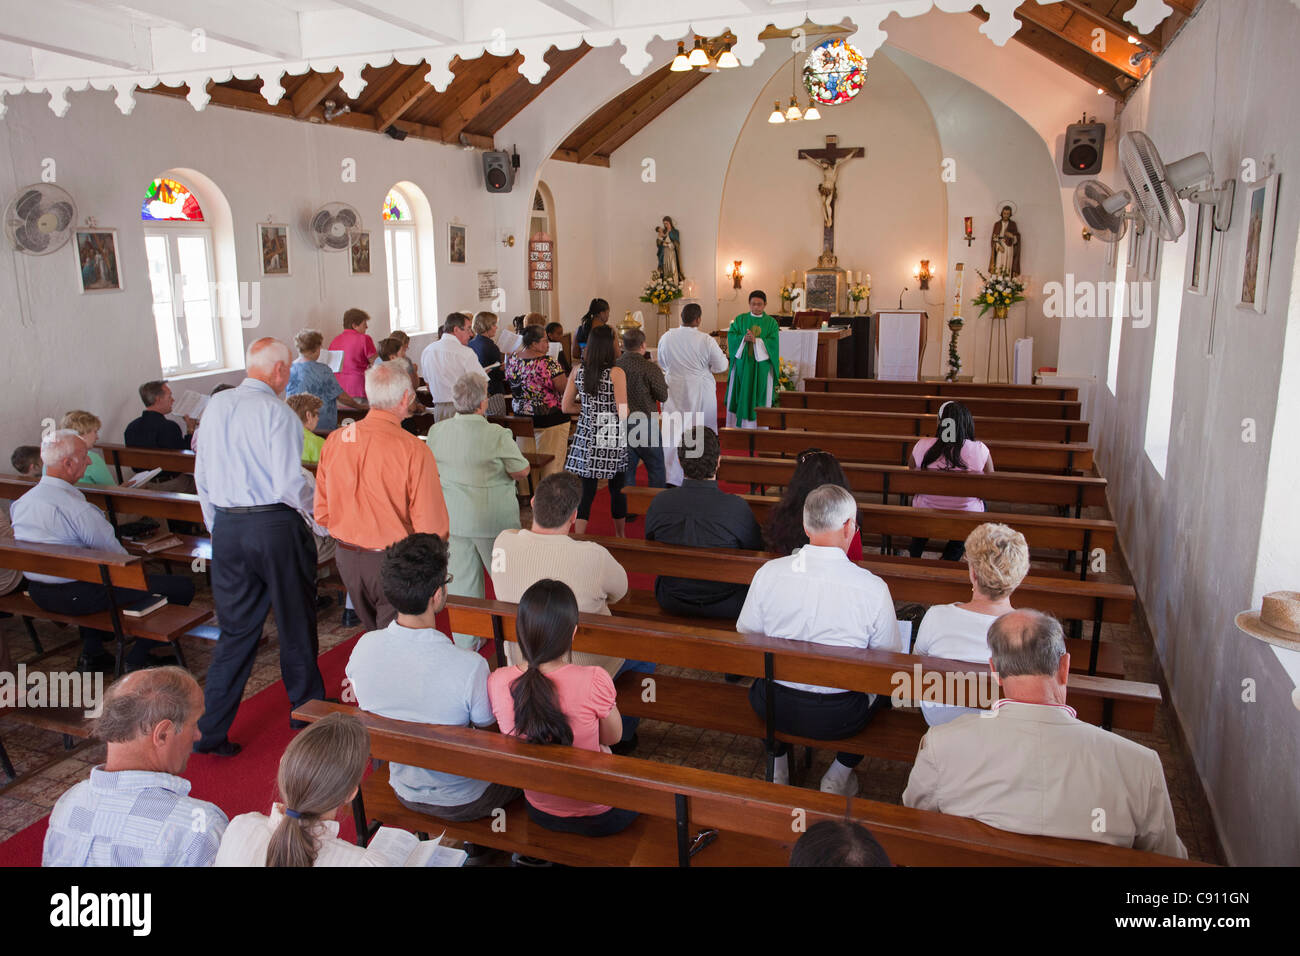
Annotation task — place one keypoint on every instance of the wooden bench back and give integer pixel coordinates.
(141, 501)
(1041, 531)
(728, 803)
(1067, 598)
(948, 389)
(930, 404)
(80, 564)
(919, 426)
(520, 426)
(121, 457)
(1127, 704)
(1017, 487)
(1052, 457)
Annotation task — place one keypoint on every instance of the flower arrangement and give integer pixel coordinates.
(859, 292)
(661, 291)
(954, 359)
(788, 380)
(1000, 290)
(835, 72)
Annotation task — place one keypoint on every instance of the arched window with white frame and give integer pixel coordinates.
(401, 250)
(182, 275)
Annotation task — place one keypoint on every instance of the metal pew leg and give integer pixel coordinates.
(31, 633)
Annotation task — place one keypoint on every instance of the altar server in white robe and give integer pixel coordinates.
(689, 359)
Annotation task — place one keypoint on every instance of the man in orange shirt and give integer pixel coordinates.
(375, 485)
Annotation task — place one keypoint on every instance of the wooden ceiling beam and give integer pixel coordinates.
(571, 156)
(631, 114)
(245, 100)
(1080, 35)
(1124, 30)
(313, 91)
(504, 78)
(1067, 56)
(412, 89)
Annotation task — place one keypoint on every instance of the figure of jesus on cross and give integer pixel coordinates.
(829, 161)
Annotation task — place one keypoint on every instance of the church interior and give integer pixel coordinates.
(1074, 217)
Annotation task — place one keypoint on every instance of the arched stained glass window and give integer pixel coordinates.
(168, 200)
(396, 208)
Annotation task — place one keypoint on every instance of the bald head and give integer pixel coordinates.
(1026, 644)
(267, 360)
(150, 720)
(65, 455)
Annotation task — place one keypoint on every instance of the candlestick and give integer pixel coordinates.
(956, 302)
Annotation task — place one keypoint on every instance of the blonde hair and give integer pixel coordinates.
(484, 322)
(81, 422)
(318, 772)
(304, 404)
(999, 556)
(308, 340)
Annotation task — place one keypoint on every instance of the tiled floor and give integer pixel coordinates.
(46, 770)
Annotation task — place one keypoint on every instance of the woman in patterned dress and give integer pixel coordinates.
(537, 382)
(597, 392)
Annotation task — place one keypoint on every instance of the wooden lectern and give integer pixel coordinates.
(900, 344)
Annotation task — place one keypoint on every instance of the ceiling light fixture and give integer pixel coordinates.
(777, 116)
(793, 114)
(728, 61)
(680, 62)
(698, 56)
(811, 112)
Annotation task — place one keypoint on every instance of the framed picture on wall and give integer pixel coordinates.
(456, 244)
(1202, 252)
(97, 266)
(273, 247)
(360, 253)
(1257, 251)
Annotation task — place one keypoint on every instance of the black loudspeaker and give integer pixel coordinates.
(1084, 144)
(498, 174)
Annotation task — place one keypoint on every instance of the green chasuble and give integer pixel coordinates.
(752, 383)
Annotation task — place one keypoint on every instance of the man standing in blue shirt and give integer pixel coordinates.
(255, 501)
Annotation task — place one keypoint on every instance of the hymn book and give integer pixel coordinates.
(190, 405)
(394, 847)
(135, 481)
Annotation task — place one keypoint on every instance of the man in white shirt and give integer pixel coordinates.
(410, 671)
(135, 810)
(56, 512)
(1031, 766)
(443, 362)
(689, 359)
(817, 594)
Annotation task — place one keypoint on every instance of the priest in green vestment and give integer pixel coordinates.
(754, 350)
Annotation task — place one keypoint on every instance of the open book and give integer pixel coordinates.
(190, 405)
(394, 847)
(135, 481)
(333, 358)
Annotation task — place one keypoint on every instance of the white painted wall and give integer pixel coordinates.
(1208, 539)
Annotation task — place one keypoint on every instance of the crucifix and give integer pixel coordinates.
(829, 160)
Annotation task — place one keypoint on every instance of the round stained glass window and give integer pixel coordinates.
(835, 72)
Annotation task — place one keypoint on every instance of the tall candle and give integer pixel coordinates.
(956, 302)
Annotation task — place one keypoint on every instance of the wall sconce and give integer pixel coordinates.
(507, 238)
(922, 275)
(970, 230)
(736, 273)
(1087, 234)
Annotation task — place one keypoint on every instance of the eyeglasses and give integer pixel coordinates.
(448, 579)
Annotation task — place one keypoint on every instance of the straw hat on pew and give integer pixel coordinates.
(1277, 621)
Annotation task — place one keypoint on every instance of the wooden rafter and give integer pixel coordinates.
(1123, 30)
(504, 78)
(403, 98)
(1116, 49)
(313, 91)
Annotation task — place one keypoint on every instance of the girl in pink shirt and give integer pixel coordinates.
(953, 448)
(550, 701)
(358, 352)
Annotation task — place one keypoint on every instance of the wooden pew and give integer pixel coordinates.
(165, 625)
(753, 817)
(1048, 457)
(892, 734)
(1077, 492)
(1041, 531)
(142, 459)
(909, 580)
(930, 404)
(917, 425)
(876, 386)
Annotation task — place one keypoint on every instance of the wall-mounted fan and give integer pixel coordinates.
(38, 220)
(333, 226)
(1154, 190)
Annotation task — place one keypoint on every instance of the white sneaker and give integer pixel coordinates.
(844, 786)
(781, 769)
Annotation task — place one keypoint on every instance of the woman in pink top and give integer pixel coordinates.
(358, 352)
(953, 448)
(550, 701)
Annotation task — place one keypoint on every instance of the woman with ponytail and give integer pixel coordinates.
(319, 775)
(551, 701)
(953, 448)
(597, 314)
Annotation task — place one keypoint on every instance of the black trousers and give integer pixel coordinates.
(820, 716)
(83, 597)
(617, 500)
(608, 823)
(952, 551)
(260, 561)
(723, 606)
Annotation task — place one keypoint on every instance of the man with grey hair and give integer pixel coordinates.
(817, 594)
(479, 463)
(376, 484)
(442, 363)
(56, 512)
(1030, 765)
(255, 497)
(135, 810)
